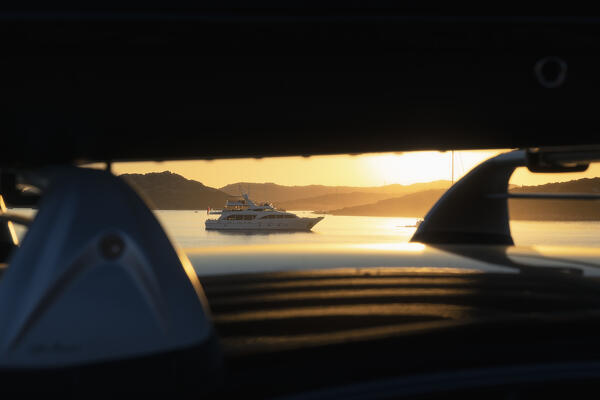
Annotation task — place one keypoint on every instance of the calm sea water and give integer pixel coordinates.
(186, 228)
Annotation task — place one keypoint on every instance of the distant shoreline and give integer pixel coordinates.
(320, 212)
(166, 191)
(203, 211)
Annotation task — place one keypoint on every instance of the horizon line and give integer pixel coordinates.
(354, 186)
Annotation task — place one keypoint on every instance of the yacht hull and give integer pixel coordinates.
(296, 224)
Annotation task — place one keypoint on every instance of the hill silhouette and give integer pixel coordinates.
(291, 197)
(584, 185)
(168, 191)
(410, 205)
(418, 204)
(571, 210)
(332, 201)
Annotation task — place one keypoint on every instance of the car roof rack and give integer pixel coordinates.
(96, 279)
(475, 209)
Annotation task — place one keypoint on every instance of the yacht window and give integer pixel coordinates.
(240, 217)
(278, 216)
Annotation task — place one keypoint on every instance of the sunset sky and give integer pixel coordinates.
(342, 170)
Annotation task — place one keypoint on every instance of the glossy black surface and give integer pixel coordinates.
(158, 86)
(285, 333)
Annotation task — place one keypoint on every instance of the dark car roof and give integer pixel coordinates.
(299, 331)
(124, 83)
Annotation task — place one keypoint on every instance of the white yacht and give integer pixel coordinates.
(247, 215)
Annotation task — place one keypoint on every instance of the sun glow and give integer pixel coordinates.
(375, 169)
(371, 169)
(426, 166)
(397, 247)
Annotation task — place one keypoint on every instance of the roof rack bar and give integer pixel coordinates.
(545, 196)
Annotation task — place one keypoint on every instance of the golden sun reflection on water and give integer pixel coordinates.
(404, 247)
(312, 248)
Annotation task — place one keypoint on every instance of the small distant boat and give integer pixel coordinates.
(247, 215)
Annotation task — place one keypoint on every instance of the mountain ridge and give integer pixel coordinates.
(418, 204)
(282, 193)
(169, 191)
